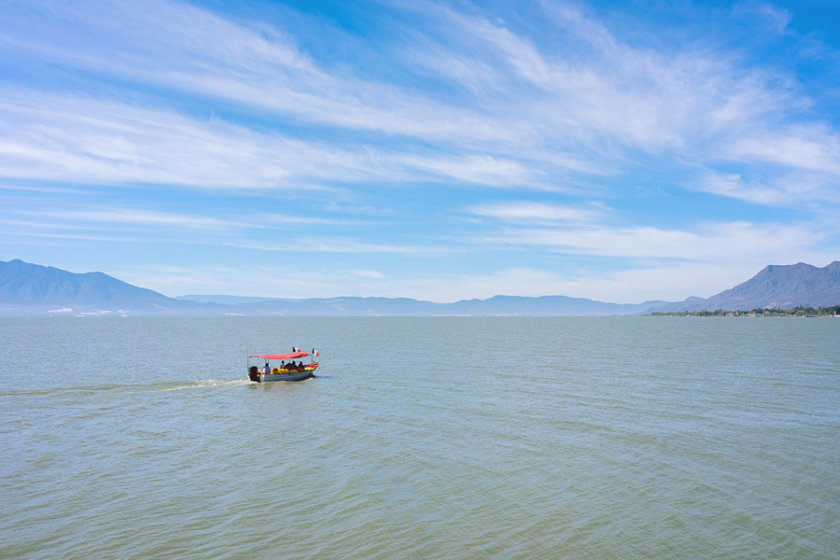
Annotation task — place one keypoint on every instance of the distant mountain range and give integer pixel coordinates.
(775, 286)
(31, 289)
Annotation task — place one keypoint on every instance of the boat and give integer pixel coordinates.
(285, 370)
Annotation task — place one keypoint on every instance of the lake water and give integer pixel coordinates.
(505, 438)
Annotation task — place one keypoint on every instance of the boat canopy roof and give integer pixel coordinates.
(289, 356)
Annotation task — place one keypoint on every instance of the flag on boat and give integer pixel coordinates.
(315, 353)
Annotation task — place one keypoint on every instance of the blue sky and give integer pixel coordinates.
(437, 150)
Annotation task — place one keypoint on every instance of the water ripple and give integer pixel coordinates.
(622, 438)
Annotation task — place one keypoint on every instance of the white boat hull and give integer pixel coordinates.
(283, 375)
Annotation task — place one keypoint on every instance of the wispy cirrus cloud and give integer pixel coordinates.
(178, 47)
(118, 143)
(135, 217)
(733, 185)
(708, 242)
(797, 188)
(526, 211)
(593, 104)
(811, 147)
(316, 244)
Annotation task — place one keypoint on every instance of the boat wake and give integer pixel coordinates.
(161, 387)
(204, 383)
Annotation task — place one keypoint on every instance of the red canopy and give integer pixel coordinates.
(291, 356)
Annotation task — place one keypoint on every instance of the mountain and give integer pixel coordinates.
(781, 286)
(31, 289)
(378, 306)
(223, 299)
(547, 306)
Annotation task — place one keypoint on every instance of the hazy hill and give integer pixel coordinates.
(547, 306)
(495, 306)
(31, 289)
(782, 286)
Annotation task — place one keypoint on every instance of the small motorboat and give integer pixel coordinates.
(282, 367)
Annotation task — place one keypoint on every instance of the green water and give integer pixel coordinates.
(447, 438)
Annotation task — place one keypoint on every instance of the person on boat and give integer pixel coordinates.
(267, 368)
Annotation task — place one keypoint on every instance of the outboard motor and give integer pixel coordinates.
(254, 374)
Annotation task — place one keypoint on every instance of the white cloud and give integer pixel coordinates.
(796, 188)
(581, 109)
(733, 185)
(372, 274)
(710, 243)
(776, 19)
(479, 169)
(134, 217)
(175, 46)
(524, 211)
(117, 143)
(315, 244)
(809, 147)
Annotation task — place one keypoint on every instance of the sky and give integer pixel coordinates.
(618, 151)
